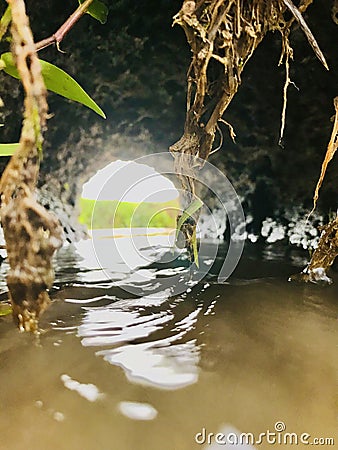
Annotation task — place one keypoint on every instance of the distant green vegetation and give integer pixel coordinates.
(115, 214)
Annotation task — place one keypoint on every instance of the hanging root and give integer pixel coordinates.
(223, 36)
(326, 252)
(32, 234)
(308, 33)
(330, 152)
(287, 54)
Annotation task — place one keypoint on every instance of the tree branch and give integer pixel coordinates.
(60, 34)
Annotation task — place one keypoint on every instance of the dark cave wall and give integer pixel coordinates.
(135, 67)
(289, 172)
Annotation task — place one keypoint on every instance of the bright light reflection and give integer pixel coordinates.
(135, 183)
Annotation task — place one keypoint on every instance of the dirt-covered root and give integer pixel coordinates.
(322, 258)
(223, 36)
(32, 234)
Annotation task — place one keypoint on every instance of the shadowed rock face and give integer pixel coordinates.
(135, 66)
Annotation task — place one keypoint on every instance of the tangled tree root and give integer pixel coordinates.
(223, 36)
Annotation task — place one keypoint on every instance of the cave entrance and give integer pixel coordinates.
(127, 195)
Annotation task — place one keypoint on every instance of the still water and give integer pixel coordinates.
(147, 371)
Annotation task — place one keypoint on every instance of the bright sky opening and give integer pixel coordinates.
(128, 181)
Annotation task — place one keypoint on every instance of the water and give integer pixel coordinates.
(116, 370)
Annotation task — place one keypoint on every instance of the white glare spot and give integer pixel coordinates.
(137, 411)
(88, 391)
(58, 416)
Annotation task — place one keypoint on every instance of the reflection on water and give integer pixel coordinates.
(152, 371)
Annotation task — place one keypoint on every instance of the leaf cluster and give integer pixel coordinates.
(56, 79)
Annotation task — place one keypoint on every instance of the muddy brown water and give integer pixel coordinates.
(118, 371)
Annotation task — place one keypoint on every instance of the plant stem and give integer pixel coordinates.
(59, 35)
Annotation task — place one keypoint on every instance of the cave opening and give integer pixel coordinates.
(126, 194)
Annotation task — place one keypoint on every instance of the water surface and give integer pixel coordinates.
(115, 370)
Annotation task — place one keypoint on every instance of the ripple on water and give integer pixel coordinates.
(125, 324)
(224, 357)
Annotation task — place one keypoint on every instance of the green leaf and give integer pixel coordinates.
(195, 250)
(56, 80)
(8, 149)
(192, 208)
(5, 21)
(98, 10)
(5, 309)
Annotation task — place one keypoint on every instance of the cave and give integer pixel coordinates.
(135, 67)
(189, 334)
